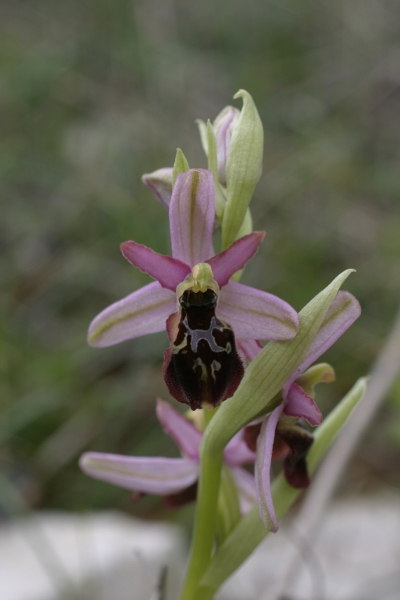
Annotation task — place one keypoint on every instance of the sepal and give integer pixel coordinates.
(191, 216)
(148, 475)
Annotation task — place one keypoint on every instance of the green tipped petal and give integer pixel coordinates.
(320, 373)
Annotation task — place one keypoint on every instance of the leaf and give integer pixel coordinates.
(243, 168)
(268, 372)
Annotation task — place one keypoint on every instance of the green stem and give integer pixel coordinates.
(228, 509)
(204, 524)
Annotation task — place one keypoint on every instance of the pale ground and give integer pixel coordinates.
(110, 556)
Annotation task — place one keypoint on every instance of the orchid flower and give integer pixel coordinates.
(172, 478)
(251, 313)
(297, 402)
(234, 148)
(207, 370)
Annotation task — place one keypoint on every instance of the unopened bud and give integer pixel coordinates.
(223, 126)
(160, 183)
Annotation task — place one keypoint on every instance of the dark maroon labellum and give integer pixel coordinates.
(202, 366)
(299, 441)
(291, 443)
(251, 434)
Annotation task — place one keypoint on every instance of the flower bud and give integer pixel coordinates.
(223, 126)
(160, 183)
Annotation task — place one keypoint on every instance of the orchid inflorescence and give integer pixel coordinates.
(248, 401)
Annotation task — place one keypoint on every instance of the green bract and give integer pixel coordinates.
(268, 372)
(243, 168)
(180, 165)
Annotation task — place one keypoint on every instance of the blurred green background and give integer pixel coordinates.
(95, 93)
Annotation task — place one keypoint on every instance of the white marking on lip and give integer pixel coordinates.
(204, 334)
(215, 366)
(199, 363)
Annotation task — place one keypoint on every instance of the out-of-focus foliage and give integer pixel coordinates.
(92, 95)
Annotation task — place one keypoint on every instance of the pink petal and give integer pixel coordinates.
(234, 258)
(237, 451)
(160, 183)
(141, 474)
(145, 311)
(342, 313)
(250, 348)
(168, 271)
(256, 314)
(246, 488)
(191, 216)
(180, 429)
(262, 473)
(224, 125)
(301, 405)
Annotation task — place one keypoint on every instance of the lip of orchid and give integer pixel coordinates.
(252, 313)
(166, 476)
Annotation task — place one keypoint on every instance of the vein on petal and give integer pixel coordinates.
(94, 336)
